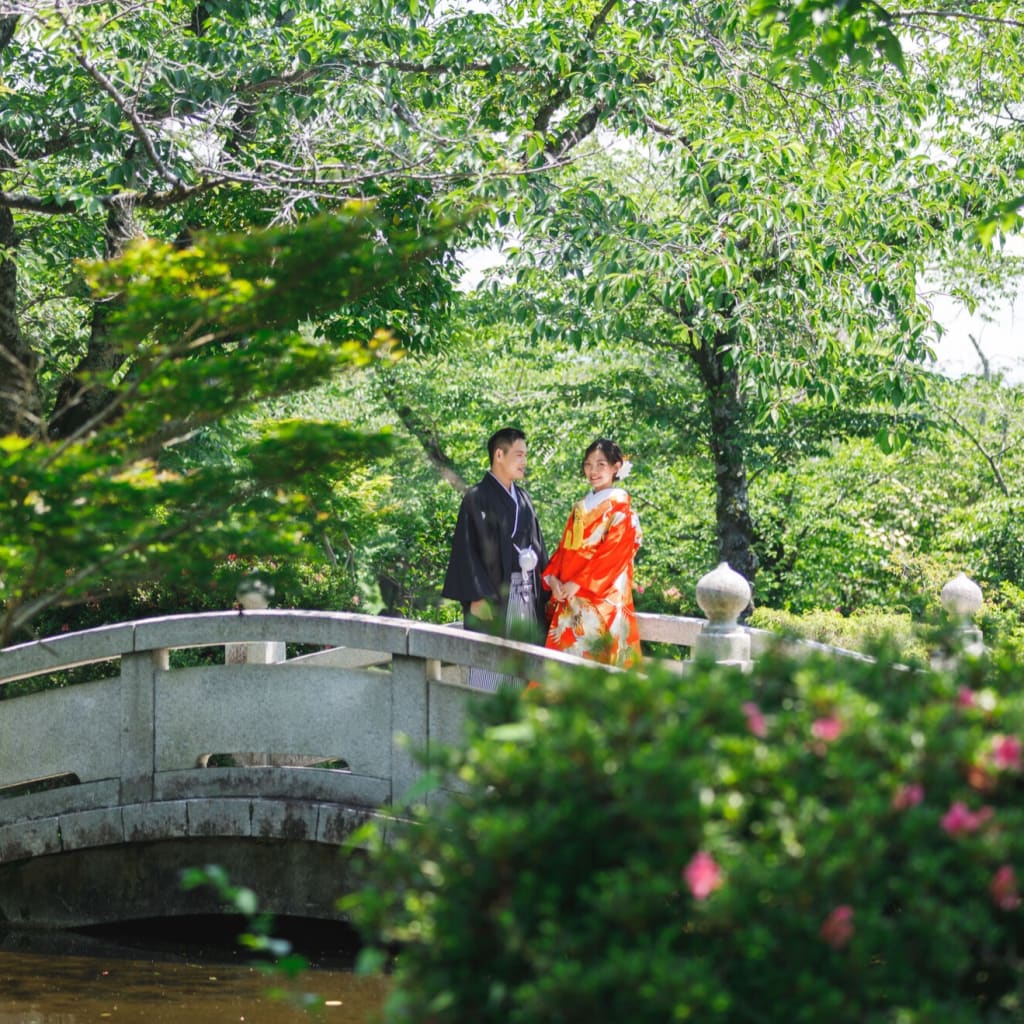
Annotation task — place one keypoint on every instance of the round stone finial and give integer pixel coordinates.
(722, 594)
(961, 597)
(254, 592)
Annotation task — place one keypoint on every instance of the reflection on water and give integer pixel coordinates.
(74, 979)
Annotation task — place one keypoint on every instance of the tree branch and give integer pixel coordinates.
(128, 109)
(982, 450)
(542, 119)
(425, 433)
(907, 16)
(986, 370)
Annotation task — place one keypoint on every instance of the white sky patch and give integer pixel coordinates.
(997, 328)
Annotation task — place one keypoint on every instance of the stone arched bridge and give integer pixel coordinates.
(263, 764)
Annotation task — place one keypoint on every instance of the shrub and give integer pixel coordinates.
(821, 841)
(861, 631)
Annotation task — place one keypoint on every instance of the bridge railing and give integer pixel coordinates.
(353, 714)
(144, 736)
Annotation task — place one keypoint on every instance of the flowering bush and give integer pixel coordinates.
(819, 841)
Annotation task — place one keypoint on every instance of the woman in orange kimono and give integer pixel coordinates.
(590, 576)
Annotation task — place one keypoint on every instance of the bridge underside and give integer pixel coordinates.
(135, 881)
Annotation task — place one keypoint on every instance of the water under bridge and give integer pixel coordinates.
(261, 762)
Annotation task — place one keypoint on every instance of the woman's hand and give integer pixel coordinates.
(562, 591)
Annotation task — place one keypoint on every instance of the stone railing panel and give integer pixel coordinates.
(316, 711)
(669, 629)
(71, 730)
(448, 712)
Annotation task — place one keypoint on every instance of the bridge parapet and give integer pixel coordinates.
(128, 761)
(379, 690)
(129, 756)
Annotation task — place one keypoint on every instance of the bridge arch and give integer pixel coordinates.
(108, 788)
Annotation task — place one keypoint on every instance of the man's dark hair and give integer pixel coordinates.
(503, 439)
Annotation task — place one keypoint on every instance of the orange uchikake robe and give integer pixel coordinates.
(596, 552)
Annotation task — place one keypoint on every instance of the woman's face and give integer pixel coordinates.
(600, 473)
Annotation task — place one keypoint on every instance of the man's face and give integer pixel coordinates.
(512, 463)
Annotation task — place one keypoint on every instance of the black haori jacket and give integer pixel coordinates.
(488, 531)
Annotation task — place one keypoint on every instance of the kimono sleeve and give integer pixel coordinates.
(554, 567)
(467, 578)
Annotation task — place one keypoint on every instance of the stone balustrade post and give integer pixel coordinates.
(138, 723)
(961, 598)
(254, 593)
(722, 595)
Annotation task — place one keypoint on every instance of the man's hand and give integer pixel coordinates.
(482, 609)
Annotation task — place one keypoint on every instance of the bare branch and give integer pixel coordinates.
(128, 109)
(986, 370)
(982, 450)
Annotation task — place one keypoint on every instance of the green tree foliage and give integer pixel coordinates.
(161, 121)
(853, 527)
(211, 329)
(818, 841)
(841, 525)
(771, 224)
(749, 190)
(442, 406)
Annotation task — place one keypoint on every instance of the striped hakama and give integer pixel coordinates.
(521, 613)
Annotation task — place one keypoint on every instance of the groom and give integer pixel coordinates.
(497, 549)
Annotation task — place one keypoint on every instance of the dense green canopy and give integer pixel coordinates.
(745, 195)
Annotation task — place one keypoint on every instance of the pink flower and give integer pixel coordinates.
(232, 558)
(1003, 888)
(959, 820)
(966, 698)
(908, 796)
(673, 593)
(837, 929)
(1006, 751)
(827, 729)
(702, 875)
(755, 719)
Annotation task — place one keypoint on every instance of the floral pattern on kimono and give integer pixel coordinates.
(596, 553)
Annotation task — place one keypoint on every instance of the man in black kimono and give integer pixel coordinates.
(498, 551)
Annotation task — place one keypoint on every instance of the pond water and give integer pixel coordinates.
(185, 972)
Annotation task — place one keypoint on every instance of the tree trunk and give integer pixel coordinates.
(81, 399)
(725, 412)
(422, 429)
(19, 396)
